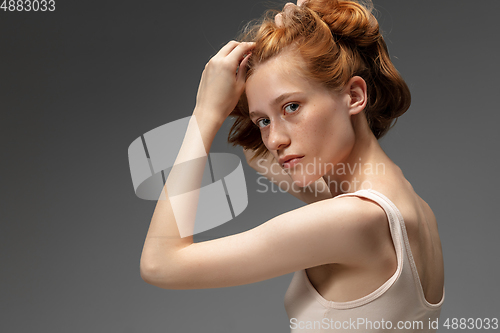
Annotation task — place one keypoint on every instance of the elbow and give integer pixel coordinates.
(156, 276)
(147, 272)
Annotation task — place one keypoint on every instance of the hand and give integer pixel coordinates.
(278, 19)
(223, 81)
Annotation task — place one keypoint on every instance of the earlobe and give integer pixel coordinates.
(358, 94)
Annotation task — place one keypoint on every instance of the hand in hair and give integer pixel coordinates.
(223, 81)
(279, 17)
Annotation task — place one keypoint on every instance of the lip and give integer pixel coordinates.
(289, 160)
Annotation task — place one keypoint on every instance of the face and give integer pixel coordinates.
(299, 118)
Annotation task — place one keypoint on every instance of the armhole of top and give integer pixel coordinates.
(405, 244)
(397, 241)
(392, 218)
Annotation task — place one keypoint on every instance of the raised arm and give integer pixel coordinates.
(172, 224)
(269, 168)
(346, 230)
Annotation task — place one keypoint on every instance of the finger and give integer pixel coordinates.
(238, 53)
(278, 19)
(226, 49)
(242, 70)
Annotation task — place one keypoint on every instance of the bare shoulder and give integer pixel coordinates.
(347, 230)
(370, 228)
(363, 214)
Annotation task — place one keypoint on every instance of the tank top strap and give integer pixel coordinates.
(399, 237)
(393, 216)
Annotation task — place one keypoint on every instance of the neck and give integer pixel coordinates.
(366, 164)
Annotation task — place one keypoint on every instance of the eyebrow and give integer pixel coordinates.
(277, 100)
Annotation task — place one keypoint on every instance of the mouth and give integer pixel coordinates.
(290, 162)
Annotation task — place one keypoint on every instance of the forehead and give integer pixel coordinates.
(276, 76)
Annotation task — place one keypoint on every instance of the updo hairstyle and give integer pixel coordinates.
(336, 40)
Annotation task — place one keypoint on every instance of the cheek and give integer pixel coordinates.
(324, 126)
(264, 136)
(336, 136)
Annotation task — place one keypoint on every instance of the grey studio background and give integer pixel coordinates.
(78, 85)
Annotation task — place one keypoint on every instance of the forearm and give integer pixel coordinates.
(172, 224)
(164, 239)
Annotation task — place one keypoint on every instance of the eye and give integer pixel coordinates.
(260, 123)
(292, 107)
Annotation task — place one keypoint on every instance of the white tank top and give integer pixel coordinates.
(398, 305)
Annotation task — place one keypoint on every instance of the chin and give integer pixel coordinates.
(302, 180)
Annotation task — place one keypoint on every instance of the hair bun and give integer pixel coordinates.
(356, 49)
(348, 20)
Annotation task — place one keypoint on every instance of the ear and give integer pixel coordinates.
(356, 88)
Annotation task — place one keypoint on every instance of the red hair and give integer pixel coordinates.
(335, 40)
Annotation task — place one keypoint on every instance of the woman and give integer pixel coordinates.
(311, 94)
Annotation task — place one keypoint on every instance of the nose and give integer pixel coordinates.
(278, 137)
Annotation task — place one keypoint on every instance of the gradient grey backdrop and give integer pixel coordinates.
(78, 85)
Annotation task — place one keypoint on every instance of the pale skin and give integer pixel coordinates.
(343, 243)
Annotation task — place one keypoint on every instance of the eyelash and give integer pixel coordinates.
(284, 108)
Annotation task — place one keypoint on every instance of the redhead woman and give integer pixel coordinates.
(311, 90)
